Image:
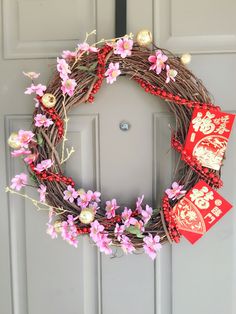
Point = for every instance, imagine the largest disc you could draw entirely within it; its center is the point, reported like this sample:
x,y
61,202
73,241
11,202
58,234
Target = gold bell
x,y
144,38
49,100
57,226
86,215
185,58
13,141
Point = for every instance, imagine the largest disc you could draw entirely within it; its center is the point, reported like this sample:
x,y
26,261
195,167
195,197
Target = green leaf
x,y
33,177
93,66
39,139
83,68
156,211
134,230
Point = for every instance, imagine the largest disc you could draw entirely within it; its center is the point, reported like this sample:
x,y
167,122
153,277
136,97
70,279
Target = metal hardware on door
x,y
124,126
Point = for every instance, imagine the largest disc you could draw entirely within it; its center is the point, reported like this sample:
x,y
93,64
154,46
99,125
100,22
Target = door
x,y
38,275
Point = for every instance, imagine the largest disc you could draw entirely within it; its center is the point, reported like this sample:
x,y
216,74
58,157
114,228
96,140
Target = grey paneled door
x,y
38,275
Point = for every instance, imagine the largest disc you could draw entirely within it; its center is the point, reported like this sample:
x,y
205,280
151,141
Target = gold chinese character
x,y
211,217
216,211
201,197
204,124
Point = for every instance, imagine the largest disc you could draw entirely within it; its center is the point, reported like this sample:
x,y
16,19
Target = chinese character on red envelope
x,y
199,210
208,135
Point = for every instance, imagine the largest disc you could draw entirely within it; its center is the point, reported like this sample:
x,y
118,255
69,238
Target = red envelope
x,y
208,135
199,210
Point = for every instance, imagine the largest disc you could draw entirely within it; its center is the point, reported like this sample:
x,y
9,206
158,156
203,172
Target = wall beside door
x,y
38,274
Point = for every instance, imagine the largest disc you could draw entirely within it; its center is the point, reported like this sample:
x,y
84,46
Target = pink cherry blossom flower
x,y
84,199
170,74
42,120
139,203
119,229
138,224
30,158
96,230
38,89
110,208
19,181
68,86
127,245
51,231
69,231
126,216
70,194
42,192
95,196
124,47
147,214
43,165
25,137
176,191
63,68
31,75
85,47
68,55
112,72
20,152
158,61
104,244
152,245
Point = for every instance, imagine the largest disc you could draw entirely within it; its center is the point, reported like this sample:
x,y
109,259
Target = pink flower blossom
x,y
68,86
42,192
138,224
96,230
68,55
95,196
111,207
104,244
19,181
124,47
42,120
63,68
30,158
112,72
51,231
139,203
38,89
127,245
69,231
147,214
152,245
25,137
158,61
43,165
31,75
84,199
70,194
20,152
126,216
51,214
170,74
176,191
119,229
87,48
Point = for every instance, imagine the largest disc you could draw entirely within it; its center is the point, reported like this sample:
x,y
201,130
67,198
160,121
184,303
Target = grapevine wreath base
x,y
79,76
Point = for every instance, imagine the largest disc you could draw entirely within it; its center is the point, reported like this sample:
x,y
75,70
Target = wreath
x,y
79,76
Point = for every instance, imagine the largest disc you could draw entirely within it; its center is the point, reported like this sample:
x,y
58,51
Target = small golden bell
x,y
144,38
57,226
49,100
86,215
13,141
185,58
